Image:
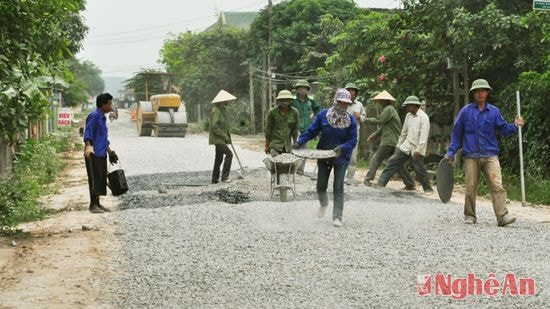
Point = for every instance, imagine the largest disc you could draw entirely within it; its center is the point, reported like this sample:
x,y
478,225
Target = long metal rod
x,y
522,178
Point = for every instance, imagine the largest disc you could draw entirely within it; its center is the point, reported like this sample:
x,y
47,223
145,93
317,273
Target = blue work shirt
x,y
96,132
475,131
331,137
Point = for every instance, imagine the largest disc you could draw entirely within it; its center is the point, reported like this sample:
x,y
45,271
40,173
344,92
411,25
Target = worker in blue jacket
x,y
97,147
338,131
475,131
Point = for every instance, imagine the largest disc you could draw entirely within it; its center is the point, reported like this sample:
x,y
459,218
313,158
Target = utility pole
x,y
146,89
270,85
264,91
251,81
459,91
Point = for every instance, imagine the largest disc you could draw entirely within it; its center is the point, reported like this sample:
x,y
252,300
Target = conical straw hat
x,y
384,95
223,96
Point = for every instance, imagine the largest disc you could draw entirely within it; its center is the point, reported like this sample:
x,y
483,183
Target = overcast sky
x,y
126,35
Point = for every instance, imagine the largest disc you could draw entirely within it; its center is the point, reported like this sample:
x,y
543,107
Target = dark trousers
x,y
380,155
221,151
96,168
396,164
323,173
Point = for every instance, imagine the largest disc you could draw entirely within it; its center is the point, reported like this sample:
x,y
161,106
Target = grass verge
x,y
36,166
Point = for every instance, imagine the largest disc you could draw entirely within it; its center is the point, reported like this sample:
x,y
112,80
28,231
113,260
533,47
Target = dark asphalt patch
x,y
227,196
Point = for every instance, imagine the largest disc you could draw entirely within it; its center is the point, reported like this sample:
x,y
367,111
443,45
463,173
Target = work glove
x,y
295,146
113,158
338,151
417,155
88,152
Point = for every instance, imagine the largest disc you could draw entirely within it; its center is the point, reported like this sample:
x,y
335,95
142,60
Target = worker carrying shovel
x,y
475,131
283,121
219,136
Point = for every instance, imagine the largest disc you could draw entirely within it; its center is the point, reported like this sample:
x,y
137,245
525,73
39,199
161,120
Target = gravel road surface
x,y
188,248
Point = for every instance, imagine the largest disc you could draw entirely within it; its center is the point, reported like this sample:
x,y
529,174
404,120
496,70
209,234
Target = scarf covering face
x,y
337,116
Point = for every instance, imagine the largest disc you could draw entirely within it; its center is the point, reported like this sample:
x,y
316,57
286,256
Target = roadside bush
x,y
238,117
535,90
37,164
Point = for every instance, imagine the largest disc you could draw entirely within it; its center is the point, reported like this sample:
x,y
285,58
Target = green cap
x,y
302,83
351,86
480,84
412,100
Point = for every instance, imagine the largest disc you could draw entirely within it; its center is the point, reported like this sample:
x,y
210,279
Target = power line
x,y
149,28
139,40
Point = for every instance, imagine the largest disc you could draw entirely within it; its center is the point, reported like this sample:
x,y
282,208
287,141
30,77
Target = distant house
x,y
239,20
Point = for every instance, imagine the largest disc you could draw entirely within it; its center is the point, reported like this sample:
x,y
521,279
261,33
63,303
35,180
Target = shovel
x,y
162,187
241,171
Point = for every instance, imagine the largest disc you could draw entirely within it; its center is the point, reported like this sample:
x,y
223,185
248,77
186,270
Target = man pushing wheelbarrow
x,y
281,131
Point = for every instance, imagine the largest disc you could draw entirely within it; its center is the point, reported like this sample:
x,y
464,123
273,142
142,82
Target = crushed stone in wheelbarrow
x,y
284,158
314,153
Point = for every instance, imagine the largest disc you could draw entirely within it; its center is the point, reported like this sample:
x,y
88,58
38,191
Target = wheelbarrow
x,y
283,174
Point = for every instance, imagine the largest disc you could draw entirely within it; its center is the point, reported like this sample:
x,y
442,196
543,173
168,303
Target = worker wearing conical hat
x,y
388,132
219,136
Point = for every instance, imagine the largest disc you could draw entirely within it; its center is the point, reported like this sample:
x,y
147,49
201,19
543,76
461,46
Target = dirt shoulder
x,y
537,213
62,260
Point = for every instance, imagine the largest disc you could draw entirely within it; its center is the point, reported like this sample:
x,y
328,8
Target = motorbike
x,y
113,115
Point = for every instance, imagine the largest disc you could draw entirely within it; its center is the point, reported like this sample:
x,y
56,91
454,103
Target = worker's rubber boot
x,y
95,209
505,220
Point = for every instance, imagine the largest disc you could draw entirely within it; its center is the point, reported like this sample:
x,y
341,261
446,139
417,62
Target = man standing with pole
x,y
475,131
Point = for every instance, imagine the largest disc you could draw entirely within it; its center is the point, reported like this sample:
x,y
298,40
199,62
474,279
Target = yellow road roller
x,y
163,116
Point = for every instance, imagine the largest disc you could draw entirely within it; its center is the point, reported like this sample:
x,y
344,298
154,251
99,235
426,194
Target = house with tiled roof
x,y
239,20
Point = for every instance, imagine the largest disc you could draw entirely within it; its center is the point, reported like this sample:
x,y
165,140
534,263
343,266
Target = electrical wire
x,y
168,24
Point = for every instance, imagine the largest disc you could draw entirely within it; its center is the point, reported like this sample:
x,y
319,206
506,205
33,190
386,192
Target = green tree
x,y
298,43
90,75
205,62
151,79
84,80
37,38
418,43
